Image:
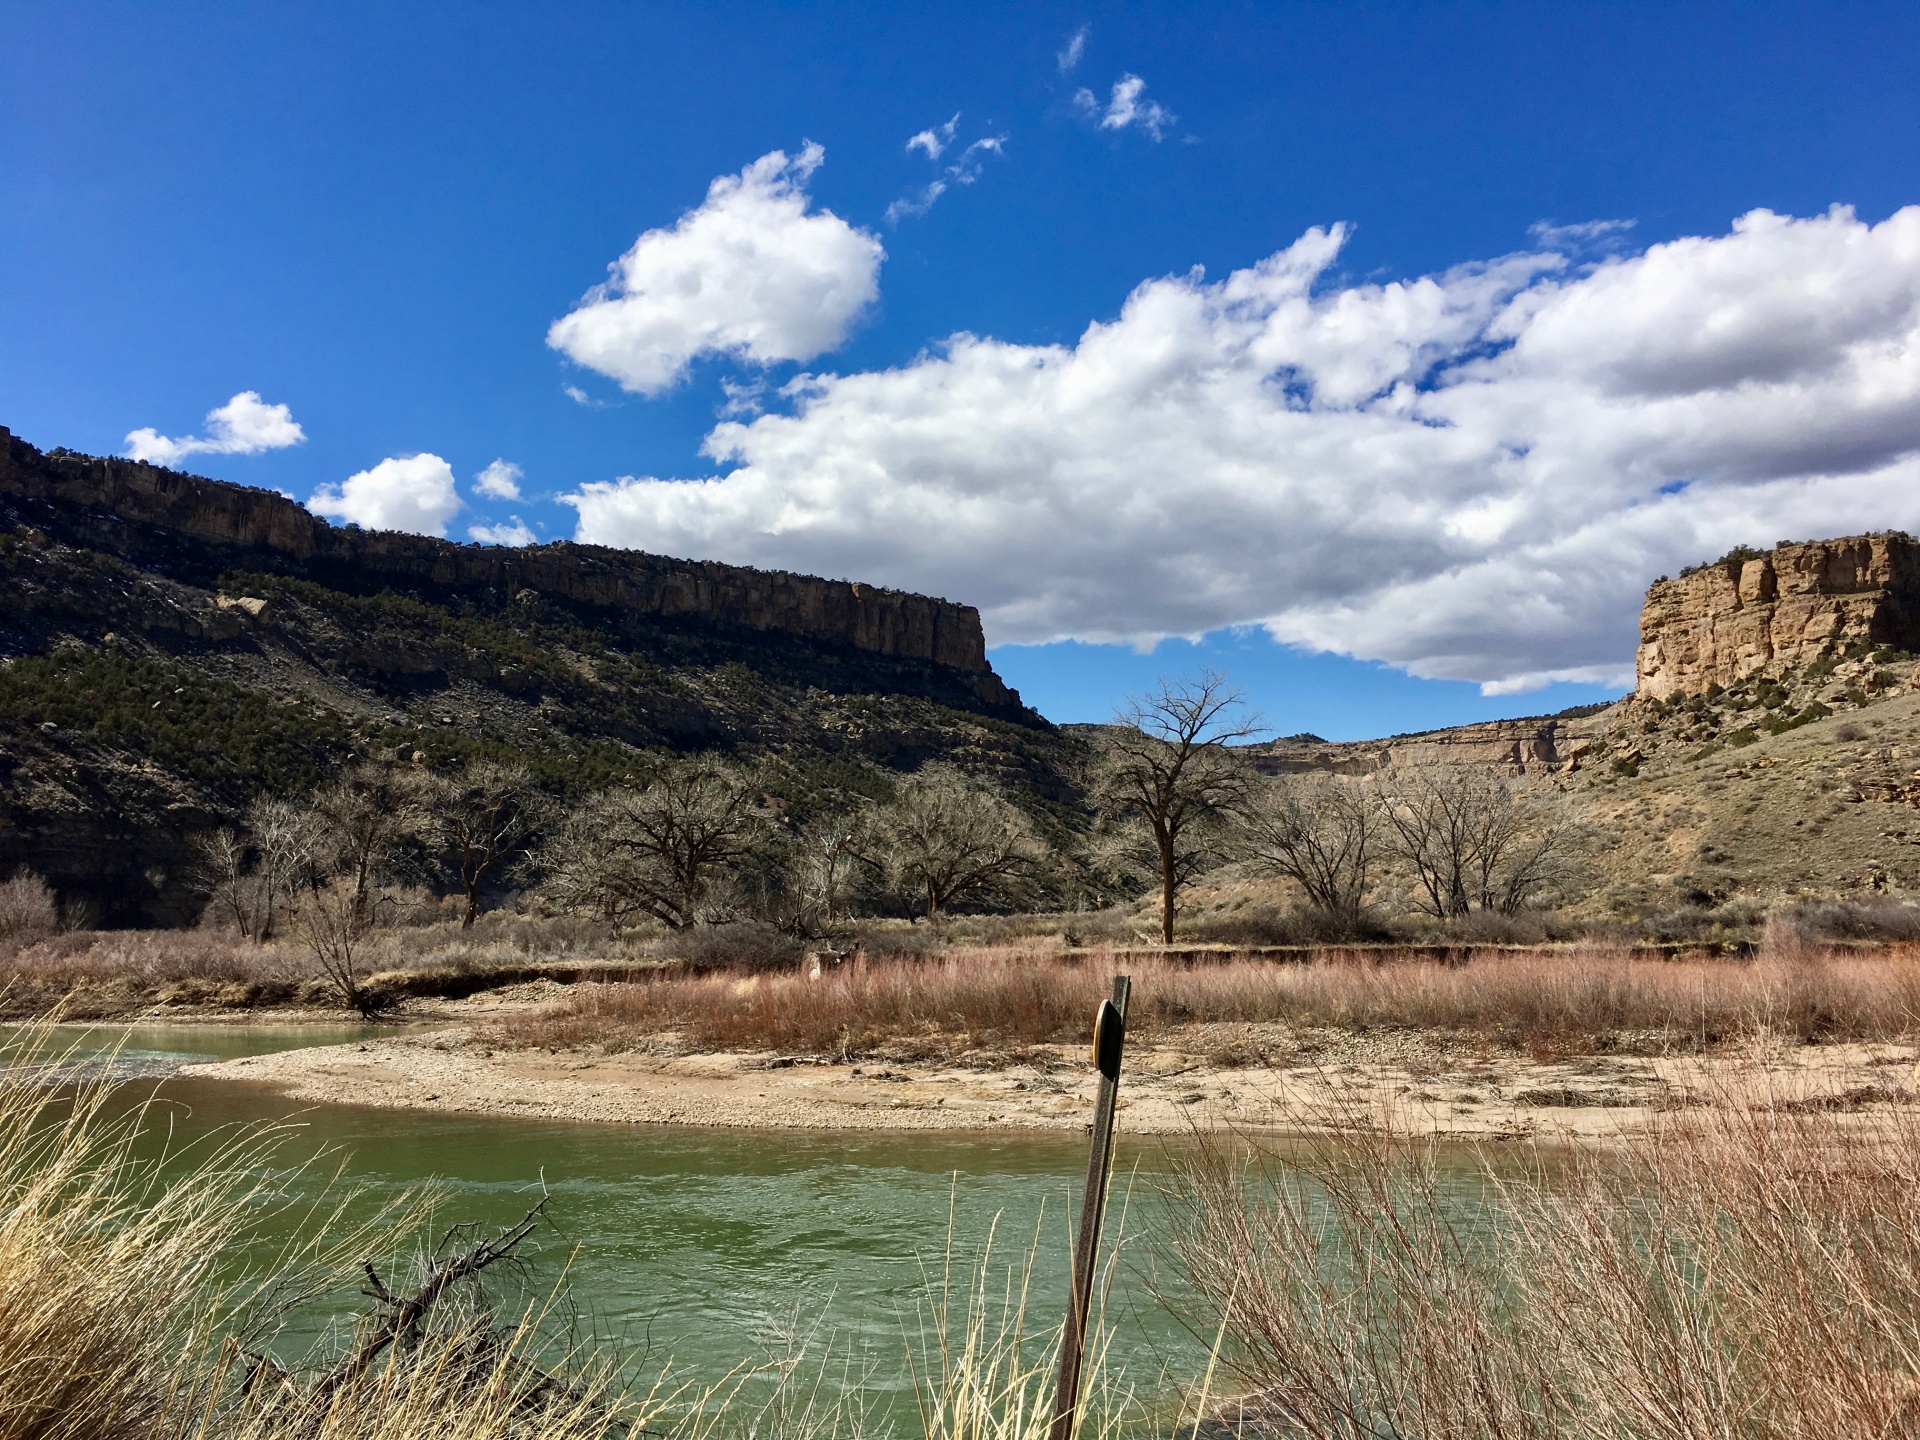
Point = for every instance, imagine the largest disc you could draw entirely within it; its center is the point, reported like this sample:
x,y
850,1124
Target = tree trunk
x,y
473,907
1166,898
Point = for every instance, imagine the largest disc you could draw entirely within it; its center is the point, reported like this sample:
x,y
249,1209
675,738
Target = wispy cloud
x,y
935,140
1584,233
964,169
1126,106
1075,47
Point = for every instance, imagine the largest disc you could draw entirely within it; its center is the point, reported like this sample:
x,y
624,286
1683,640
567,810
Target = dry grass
x,y
1748,1270
94,974
1576,1000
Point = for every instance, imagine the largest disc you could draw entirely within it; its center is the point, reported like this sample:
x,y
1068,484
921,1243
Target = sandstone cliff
x,y
1538,745
117,496
1793,606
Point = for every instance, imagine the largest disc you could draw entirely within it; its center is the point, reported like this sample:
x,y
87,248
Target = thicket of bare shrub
x,y
1749,1269
28,910
1572,1001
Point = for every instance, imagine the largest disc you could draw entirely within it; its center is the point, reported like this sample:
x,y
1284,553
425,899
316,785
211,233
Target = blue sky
x,y
373,218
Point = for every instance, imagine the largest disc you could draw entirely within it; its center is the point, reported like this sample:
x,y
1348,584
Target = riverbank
x,y
1247,1078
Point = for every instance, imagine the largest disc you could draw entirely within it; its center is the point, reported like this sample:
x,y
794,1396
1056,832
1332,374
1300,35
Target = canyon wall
x,y
1774,611
106,495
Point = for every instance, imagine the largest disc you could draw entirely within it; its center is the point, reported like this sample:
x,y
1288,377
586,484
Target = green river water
x,y
702,1246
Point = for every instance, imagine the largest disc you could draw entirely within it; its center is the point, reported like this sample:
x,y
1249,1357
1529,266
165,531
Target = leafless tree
x,y
364,822
335,923
665,851
1323,833
946,838
832,857
480,818
254,876
1472,838
1165,765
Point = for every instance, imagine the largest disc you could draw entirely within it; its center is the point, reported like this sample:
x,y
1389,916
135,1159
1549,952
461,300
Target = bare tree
x,y
1324,834
665,851
364,822
946,839
1166,765
832,857
1473,839
254,876
481,819
335,922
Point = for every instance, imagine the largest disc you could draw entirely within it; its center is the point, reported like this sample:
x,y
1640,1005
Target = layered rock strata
x,y
1790,607
1540,745
113,499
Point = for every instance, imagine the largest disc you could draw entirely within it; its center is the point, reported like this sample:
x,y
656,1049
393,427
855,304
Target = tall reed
x,y
1583,997
1749,1269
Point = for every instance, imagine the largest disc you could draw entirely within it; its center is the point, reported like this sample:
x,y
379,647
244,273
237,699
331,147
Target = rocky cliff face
x,y
116,499
1767,613
173,647
1539,745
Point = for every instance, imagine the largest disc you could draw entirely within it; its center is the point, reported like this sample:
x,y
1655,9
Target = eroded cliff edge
x,y
141,511
1796,605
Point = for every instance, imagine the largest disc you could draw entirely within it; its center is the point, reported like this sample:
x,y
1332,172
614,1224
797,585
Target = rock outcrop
x,y
1751,613
117,500
1539,745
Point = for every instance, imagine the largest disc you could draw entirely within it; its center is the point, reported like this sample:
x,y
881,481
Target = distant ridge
x,y
235,517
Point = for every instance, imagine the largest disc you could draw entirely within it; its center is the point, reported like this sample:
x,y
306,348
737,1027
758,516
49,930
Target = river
x,y
705,1247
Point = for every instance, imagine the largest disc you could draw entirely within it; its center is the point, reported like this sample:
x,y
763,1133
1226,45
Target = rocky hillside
x,y
172,645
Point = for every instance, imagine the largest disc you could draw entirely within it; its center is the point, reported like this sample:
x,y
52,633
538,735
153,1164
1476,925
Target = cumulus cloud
x,y
1127,105
1070,53
753,273
414,493
245,425
515,534
1469,475
499,481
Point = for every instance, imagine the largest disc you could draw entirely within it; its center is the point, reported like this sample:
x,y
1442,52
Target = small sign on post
x,y
1109,1039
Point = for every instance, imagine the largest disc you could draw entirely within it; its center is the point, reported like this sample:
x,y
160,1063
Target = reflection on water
x,y
138,1052
703,1244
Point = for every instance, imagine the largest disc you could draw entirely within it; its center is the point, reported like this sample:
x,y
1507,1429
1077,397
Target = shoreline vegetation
x,y
1589,1041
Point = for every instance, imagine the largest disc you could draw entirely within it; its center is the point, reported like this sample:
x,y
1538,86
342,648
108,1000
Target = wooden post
x,y
1109,1038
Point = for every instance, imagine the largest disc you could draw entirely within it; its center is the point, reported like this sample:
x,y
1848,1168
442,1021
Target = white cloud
x,y
1582,233
245,425
1071,52
1127,105
1469,475
515,534
963,171
499,481
413,493
935,141
751,273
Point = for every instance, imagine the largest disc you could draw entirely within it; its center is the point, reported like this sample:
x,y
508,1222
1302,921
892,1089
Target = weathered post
x,y
1109,1038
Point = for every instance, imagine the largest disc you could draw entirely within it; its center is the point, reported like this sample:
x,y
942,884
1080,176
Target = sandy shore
x,y
1167,1088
